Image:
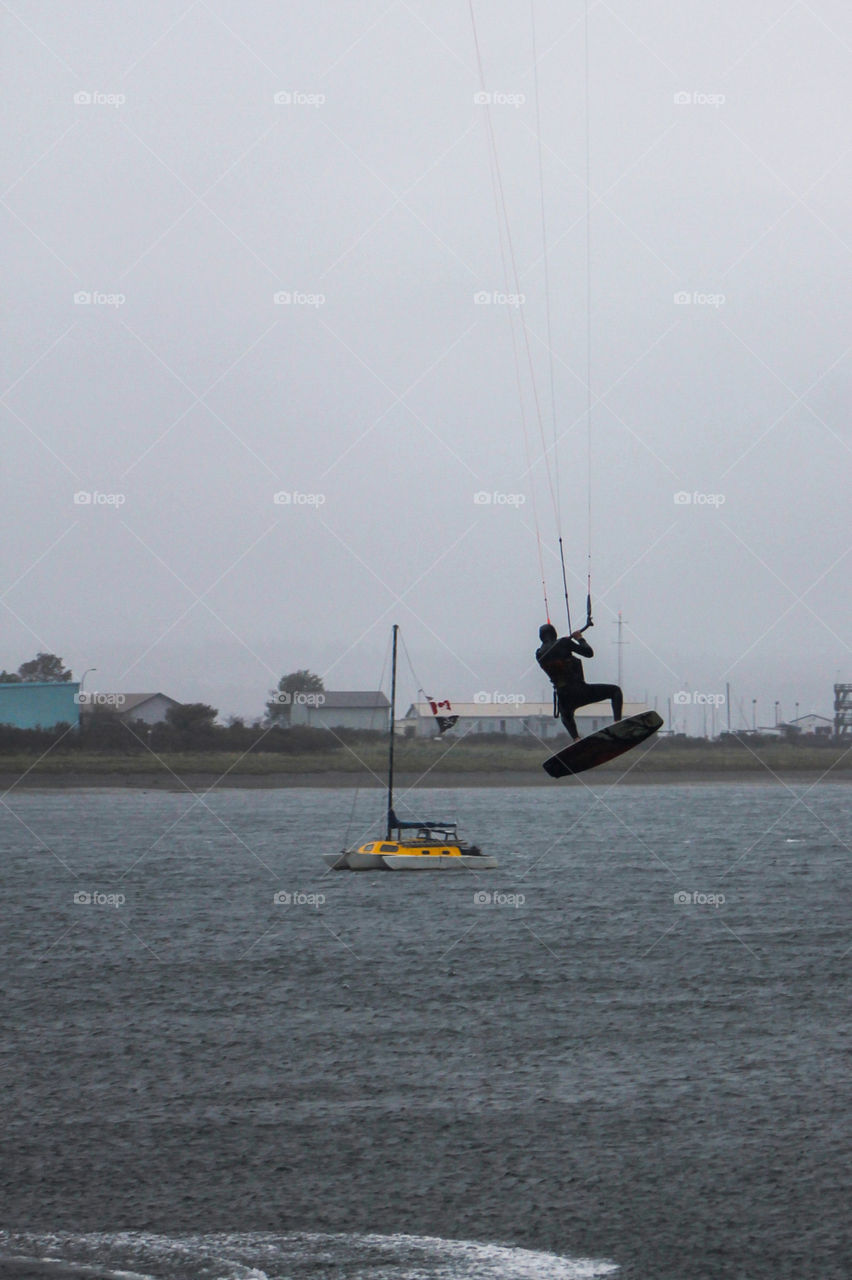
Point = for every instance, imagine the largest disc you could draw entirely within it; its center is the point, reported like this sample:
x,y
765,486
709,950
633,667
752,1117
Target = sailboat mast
x,y
391,735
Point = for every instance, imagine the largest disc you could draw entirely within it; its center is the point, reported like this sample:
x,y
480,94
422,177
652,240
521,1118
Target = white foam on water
x,y
472,1260
82,1268
296,1256
50,1262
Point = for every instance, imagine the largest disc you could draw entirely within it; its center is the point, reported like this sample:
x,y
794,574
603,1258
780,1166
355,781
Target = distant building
x,y
340,709
812,725
516,718
150,708
34,704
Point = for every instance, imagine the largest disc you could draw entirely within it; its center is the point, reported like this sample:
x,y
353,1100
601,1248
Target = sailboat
x,y
426,845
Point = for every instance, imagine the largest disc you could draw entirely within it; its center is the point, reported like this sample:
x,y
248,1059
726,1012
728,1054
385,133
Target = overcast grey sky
x,y
183,197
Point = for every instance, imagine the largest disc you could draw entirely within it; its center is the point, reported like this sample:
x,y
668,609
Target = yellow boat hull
x,y
390,855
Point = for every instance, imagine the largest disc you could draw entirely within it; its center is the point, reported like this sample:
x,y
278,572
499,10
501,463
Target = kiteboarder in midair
x,y
559,660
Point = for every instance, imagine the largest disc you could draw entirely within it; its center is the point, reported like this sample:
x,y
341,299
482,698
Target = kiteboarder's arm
x,y
580,646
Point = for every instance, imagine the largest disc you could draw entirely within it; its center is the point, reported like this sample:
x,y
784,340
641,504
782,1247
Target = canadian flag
x,y
443,713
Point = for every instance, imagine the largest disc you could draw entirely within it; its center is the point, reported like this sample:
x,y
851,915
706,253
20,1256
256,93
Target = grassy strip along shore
x,y
442,763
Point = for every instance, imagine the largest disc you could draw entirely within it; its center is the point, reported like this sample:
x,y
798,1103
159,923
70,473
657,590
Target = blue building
x,y
40,705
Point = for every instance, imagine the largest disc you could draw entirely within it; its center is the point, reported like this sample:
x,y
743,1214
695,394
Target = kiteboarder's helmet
x,y
547,632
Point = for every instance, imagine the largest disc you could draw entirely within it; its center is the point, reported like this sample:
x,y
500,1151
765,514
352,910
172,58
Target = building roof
x,y
133,700
517,710
372,699
39,684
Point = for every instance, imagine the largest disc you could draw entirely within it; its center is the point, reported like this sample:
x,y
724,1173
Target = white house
x,y
150,708
515,718
812,725
341,709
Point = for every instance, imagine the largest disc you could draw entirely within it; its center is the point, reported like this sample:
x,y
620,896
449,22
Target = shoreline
x,y
341,780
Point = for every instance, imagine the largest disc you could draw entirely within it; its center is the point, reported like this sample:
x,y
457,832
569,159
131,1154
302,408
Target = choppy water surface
x,y
626,1044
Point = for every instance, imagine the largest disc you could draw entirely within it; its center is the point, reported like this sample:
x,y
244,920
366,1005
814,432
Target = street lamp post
x,y
80,698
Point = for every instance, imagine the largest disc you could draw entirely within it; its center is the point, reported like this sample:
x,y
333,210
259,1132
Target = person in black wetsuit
x,y
559,661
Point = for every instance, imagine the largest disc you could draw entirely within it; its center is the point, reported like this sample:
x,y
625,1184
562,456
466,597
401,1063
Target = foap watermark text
x,y
285,699
293,498
94,98
487,898
699,99
684,698
95,699
93,498
499,99
298,98
685,298
695,499
483,698
298,298
496,499
697,899
93,298
494,298
84,898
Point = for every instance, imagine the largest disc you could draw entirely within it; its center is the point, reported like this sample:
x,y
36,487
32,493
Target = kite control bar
x,y
589,619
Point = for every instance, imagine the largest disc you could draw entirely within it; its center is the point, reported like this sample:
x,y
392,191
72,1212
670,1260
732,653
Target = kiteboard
x,y
604,745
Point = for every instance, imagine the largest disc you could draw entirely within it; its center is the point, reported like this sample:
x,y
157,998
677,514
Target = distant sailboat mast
x,y
391,816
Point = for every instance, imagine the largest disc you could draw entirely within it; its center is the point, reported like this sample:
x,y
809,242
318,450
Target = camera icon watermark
x,y
684,499
696,899
284,898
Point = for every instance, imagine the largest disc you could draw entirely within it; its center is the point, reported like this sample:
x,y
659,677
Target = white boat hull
x,y
436,862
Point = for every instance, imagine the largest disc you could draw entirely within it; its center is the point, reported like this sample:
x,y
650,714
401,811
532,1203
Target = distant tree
x,y
9,677
46,667
191,716
281,699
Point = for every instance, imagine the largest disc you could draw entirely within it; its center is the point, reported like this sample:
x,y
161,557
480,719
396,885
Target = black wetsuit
x,y
560,663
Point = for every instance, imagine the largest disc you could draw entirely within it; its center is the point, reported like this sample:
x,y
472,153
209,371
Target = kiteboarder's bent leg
x,y
604,693
566,714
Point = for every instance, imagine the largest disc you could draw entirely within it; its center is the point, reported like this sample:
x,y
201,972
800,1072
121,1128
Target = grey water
x,y
624,1052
